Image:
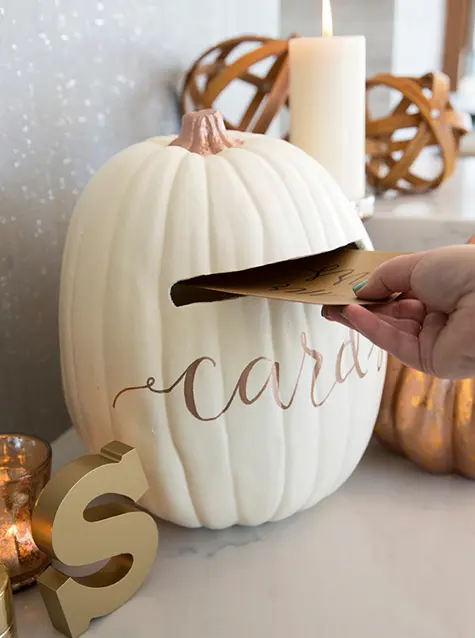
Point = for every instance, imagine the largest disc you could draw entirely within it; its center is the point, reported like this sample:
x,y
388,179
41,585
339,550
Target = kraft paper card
x,y
327,279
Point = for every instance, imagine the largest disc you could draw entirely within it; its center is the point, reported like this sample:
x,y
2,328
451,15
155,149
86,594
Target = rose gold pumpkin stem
x,y
204,133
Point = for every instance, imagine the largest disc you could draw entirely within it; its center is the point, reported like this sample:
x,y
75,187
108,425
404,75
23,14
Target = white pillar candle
x,y
327,103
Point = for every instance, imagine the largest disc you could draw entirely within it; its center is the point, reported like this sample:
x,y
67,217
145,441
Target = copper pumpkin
x,y
430,421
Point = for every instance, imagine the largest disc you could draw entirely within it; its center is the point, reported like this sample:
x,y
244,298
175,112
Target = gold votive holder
x,y
7,615
25,468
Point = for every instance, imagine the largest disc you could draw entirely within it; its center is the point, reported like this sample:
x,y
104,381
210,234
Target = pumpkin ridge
x,y
329,204
337,482
70,282
441,387
460,441
455,460
108,277
401,379
418,433
291,195
273,169
256,206
281,417
110,426
317,218
71,392
465,439
225,428
313,490
163,358
237,509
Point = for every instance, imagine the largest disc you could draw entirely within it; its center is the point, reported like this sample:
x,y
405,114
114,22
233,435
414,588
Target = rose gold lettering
x,y
149,385
189,387
318,358
241,388
339,378
273,378
243,379
380,360
276,379
355,348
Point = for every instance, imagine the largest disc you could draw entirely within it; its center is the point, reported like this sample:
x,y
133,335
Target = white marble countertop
x,y
416,222
392,555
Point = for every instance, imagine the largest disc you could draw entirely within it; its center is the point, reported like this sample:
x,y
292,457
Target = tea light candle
x,y
328,101
25,468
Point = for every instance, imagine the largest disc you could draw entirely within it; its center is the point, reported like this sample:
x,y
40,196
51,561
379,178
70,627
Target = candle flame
x,y
327,19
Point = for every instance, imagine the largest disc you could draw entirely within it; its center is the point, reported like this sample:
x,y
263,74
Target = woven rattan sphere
x,y
224,64
425,116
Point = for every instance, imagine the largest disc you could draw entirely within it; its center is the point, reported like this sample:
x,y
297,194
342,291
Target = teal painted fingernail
x,y
358,287
341,311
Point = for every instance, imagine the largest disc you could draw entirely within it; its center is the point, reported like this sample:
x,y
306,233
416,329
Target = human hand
x,y
431,327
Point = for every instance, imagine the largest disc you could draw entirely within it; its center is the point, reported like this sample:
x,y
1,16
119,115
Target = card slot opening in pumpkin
x,y
326,278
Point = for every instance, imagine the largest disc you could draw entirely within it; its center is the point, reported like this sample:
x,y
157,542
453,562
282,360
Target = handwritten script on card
x,y
327,278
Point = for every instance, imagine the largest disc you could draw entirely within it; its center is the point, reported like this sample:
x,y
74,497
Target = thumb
x,y
392,276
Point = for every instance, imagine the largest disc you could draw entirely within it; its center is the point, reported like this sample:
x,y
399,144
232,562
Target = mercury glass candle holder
x,y
25,468
7,614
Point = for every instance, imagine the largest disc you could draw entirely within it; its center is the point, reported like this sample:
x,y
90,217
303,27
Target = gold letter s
x,y
65,530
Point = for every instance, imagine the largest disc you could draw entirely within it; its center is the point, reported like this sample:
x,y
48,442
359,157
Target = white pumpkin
x,y
243,411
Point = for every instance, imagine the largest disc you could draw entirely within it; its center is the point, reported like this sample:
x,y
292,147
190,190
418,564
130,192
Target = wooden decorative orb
x,y
222,65
425,108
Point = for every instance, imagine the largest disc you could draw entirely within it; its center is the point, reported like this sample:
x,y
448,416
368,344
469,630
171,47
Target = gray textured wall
x,y
80,79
